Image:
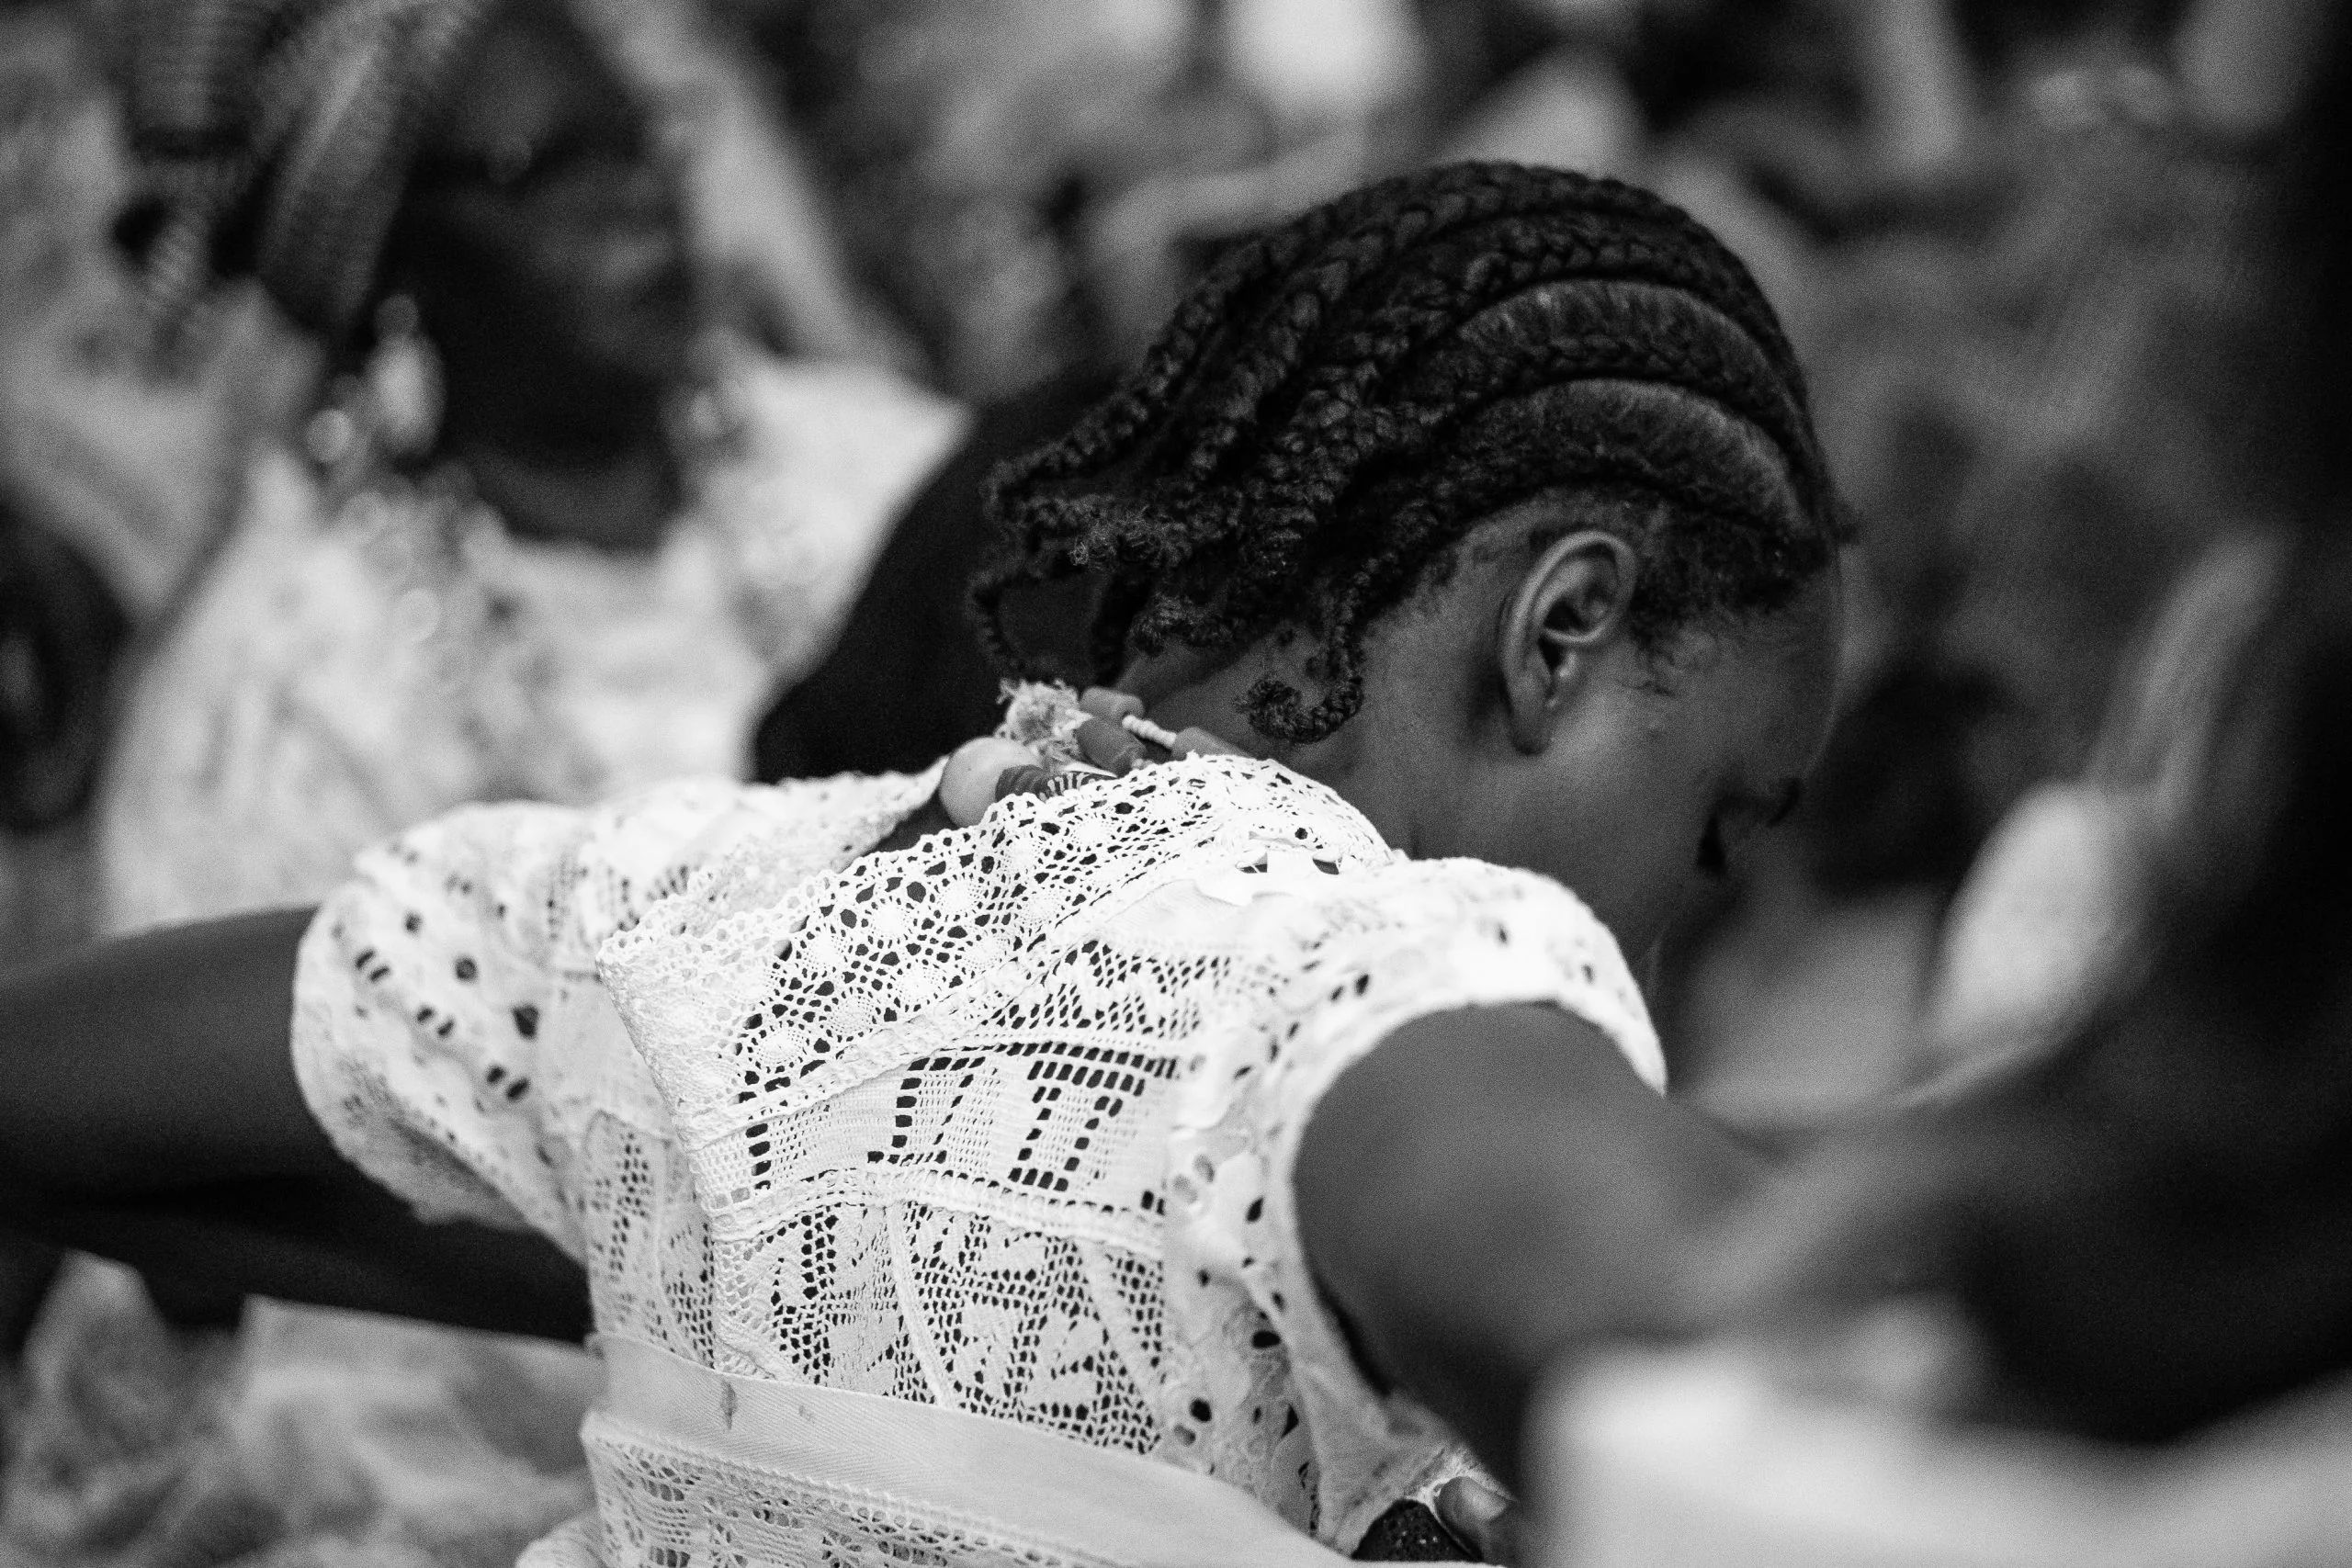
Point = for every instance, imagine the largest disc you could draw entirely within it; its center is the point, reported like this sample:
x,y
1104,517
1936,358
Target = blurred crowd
x,y
626,389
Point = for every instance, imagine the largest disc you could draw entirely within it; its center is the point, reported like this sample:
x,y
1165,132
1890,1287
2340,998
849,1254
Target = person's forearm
x,y
149,1113
337,1240
1490,1190
155,1063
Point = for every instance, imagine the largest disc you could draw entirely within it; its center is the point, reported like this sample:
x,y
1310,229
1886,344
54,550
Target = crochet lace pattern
x,y
1001,1122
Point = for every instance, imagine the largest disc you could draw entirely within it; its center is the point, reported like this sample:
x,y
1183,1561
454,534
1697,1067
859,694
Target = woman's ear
x,y
1569,608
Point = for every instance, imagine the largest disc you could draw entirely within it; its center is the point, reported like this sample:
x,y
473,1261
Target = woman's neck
x,y
620,501
589,464
1182,688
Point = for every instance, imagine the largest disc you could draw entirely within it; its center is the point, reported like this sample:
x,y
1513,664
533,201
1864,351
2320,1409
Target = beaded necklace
x,y
1115,738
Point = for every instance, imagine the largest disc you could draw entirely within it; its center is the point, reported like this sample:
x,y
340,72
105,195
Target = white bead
x,y
968,784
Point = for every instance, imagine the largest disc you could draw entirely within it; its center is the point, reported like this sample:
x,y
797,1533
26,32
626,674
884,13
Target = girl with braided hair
x,y
1168,1129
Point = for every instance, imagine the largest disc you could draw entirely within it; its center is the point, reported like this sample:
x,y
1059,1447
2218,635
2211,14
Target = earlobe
x,y
1569,605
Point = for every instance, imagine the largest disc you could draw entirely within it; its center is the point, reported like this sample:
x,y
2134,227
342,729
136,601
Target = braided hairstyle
x,y
1343,397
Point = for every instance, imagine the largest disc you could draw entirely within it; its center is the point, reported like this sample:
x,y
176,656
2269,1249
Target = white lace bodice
x,y
344,672
1001,1122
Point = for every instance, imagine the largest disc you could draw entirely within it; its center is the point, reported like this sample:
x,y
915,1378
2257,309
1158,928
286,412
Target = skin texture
x,y
543,241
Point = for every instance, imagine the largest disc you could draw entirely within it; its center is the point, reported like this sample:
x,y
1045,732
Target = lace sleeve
x,y
450,1033
1414,940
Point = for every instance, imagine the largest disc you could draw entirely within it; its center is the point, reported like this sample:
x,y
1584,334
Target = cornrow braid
x,y
1343,397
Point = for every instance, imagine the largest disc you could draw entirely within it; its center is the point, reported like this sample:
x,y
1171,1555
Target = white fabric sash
x,y
1005,1480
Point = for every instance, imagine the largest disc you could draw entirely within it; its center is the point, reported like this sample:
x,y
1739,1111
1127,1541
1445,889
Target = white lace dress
x,y
1000,1124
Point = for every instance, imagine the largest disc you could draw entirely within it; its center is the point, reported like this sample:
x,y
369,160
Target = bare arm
x,y
1491,1189
149,1113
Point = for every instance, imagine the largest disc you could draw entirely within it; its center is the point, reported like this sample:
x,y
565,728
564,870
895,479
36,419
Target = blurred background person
x,y
2087,1302
538,536
108,484
125,474
541,540
2038,351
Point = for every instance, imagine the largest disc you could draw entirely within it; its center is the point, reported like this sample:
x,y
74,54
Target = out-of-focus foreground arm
x,y
149,1112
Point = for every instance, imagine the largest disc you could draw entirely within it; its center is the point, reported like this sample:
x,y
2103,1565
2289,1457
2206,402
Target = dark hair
x,y
1343,397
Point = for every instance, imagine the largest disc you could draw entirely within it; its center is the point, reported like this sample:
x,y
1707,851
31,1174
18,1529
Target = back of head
x,y
1344,397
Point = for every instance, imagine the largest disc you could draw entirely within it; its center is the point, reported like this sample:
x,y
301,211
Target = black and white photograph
x,y
1175,784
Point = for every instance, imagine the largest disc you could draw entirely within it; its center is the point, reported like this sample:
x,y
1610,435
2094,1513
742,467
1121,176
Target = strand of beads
x,y
1115,738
